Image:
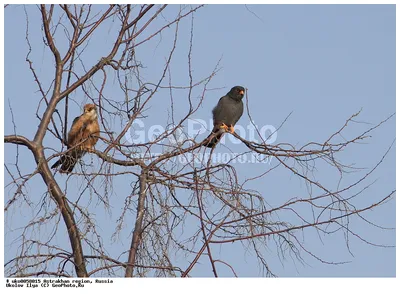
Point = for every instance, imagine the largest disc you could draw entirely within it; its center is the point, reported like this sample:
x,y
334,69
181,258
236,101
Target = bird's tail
x,y
57,163
212,140
68,161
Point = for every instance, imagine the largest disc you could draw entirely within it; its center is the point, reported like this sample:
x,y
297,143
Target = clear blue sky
x,y
321,62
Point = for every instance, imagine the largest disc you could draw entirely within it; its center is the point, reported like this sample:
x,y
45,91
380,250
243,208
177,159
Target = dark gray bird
x,y
226,114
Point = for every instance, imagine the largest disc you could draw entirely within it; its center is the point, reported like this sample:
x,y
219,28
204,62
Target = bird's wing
x,y
74,135
218,110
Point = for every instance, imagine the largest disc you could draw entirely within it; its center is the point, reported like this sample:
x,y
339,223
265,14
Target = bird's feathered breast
x,y
228,111
84,129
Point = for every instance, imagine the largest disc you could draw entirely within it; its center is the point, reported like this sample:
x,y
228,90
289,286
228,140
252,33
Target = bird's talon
x,y
225,127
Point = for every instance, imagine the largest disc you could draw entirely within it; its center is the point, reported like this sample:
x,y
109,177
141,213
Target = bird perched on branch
x,y
226,114
83,136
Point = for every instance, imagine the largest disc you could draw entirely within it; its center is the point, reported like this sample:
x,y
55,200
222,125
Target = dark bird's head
x,y
236,93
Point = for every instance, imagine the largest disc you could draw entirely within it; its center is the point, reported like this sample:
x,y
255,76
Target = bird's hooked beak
x,y
241,92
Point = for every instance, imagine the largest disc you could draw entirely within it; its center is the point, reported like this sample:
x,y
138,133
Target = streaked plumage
x,y
83,135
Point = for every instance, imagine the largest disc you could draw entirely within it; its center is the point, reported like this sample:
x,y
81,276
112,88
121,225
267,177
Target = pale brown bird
x,y
83,135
